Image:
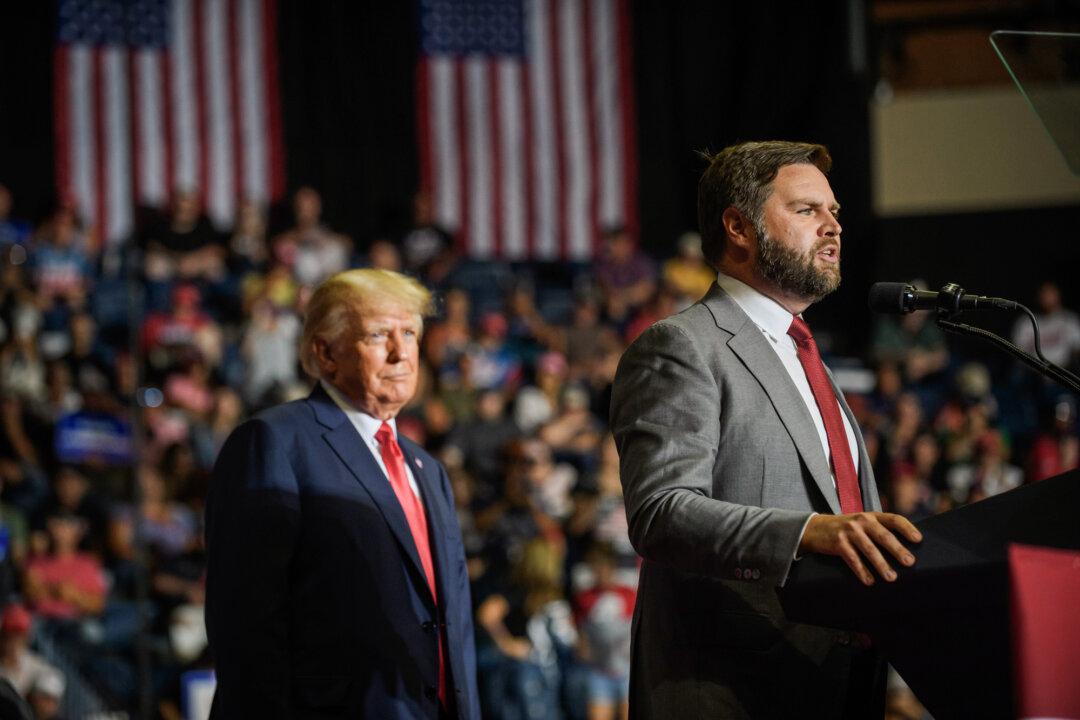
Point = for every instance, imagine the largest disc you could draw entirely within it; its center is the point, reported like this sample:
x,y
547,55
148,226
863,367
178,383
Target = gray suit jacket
x,y
721,467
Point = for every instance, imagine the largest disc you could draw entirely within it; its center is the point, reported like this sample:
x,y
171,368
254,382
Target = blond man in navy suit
x,y
320,600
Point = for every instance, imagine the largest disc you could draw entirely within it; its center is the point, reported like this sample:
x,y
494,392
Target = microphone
x,y
901,298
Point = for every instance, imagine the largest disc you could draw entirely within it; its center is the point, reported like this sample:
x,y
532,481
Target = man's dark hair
x,y
741,176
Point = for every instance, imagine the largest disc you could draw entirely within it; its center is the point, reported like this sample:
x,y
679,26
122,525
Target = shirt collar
x,y
766,313
365,424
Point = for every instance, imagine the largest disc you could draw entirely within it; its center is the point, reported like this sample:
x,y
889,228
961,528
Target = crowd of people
x,y
124,367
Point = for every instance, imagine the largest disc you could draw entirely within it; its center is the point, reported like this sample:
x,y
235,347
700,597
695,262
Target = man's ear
x,y
324,355
739,230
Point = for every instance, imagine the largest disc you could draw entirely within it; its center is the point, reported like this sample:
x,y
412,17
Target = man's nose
x,y
831,226
397,350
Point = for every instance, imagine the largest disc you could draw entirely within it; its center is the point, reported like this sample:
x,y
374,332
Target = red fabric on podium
x,y
1046,630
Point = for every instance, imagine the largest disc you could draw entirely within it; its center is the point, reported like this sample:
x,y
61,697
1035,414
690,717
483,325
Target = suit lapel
x,y
748,343
347,444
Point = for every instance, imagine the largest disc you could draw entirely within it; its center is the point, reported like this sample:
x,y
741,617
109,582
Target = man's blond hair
x,y
348,295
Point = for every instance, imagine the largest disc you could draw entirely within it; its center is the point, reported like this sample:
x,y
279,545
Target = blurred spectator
x,y
912,342
627,277
907,421
61,266
1057,448
65,583
309,249
926,463
46,696
20,665
384,255
574,431
599,514
989,473
86,359
882,401
207,439
535,405
687,274
1059,328
477,444
170,336
603,614
276,285
445,339
168,528
909,495
14,532
529,333
248,249
513,519
72,495
184,246
428,248
492,364
18,306
11,231
583,336
22,369
528,636
269,350
25,485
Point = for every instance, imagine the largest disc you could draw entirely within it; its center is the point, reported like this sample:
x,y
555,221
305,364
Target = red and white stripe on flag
x,y
526,124
157,96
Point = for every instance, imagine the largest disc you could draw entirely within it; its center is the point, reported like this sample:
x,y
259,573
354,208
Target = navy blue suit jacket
x,y
317,605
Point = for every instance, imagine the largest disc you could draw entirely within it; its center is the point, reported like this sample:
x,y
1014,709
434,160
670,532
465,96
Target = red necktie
x,y
847,480
414,515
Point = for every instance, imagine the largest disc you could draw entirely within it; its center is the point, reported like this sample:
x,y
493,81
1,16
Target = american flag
x,y
526,124
158,96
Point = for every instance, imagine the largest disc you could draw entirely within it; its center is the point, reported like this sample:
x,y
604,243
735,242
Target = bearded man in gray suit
x,y
739,455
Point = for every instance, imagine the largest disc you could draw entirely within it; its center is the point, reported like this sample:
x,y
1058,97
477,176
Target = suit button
x,y
428,626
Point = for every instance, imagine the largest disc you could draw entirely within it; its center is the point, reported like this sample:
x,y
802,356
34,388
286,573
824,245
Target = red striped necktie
x,y
414,515
847,480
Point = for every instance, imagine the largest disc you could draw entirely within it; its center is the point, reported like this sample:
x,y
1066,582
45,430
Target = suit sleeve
x,y
666,415
252,519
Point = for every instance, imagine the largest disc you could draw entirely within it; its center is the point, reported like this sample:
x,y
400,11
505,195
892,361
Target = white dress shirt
x,y
774,320
367,426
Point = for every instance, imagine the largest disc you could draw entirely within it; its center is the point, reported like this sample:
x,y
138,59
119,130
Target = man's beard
x,y
793,273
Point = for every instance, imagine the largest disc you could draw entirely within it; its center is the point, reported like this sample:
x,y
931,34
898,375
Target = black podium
x,y
944,624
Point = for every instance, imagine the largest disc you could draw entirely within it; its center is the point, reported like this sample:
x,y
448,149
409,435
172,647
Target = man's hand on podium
x,y
859,537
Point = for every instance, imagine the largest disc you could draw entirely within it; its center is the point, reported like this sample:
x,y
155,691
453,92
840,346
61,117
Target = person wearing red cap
x,y
19,665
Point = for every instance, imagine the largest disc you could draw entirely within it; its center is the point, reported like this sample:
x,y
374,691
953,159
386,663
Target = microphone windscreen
x,y
888,297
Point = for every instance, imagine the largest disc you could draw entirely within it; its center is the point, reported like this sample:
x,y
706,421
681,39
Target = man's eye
x,y
806,211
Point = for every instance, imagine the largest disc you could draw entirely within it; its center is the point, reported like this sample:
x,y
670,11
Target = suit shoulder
x,y
686,329
284,414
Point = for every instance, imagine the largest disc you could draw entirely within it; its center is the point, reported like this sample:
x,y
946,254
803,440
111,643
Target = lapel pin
x,y
419,463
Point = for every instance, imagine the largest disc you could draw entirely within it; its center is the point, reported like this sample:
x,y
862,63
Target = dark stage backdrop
x,y
708,74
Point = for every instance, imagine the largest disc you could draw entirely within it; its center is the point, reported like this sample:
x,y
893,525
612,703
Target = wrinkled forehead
x,y
377,312
801,181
